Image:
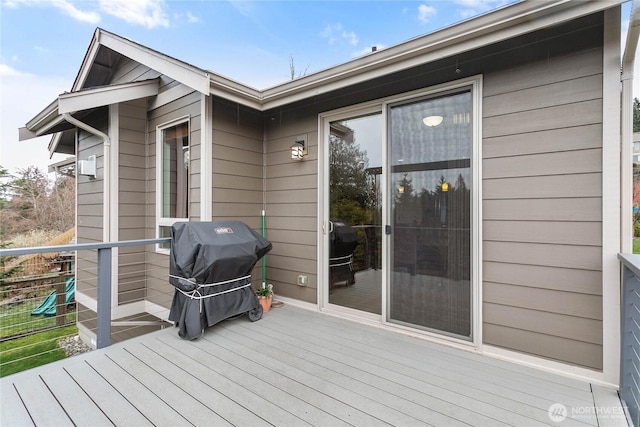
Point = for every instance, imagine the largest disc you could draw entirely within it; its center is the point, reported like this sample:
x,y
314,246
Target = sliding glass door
x,y
398,212
354,269
430,151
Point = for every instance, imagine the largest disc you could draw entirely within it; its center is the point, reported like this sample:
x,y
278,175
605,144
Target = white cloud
x,y
8,71
330,32
426,12
64,6
22,96
335,32
351,37
147,13
191,18
77,14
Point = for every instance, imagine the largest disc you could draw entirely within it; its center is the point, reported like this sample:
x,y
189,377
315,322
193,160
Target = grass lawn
x,y
636,246
25,353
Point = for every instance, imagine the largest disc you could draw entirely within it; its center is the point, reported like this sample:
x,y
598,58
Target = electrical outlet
x,y
302,280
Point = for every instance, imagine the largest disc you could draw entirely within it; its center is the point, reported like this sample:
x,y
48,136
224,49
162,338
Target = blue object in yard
x,y
48,306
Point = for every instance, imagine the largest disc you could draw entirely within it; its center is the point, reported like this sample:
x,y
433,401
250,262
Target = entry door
x,y
429,195
354,239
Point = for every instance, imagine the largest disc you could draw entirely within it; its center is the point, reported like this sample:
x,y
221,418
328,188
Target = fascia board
x,y
87,62
93,98
44,116
53,144
506,23
631,44
189,75
25,133
234,91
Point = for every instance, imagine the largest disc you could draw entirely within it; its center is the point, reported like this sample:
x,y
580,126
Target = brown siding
x,y
542,209
292,208
90,205
237,172
159,291
132,169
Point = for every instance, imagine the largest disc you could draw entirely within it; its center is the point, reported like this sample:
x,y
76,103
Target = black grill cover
x,y
212,252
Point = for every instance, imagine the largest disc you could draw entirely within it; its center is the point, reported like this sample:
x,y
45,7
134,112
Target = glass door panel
x,y
430,151
355,213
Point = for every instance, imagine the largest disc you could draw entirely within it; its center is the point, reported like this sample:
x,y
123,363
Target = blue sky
x,y
43,42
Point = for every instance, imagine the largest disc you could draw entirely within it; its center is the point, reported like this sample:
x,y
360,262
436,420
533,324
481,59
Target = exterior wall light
x,y
432,120
298,150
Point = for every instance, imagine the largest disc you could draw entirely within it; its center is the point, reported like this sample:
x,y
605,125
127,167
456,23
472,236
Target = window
x,y
172,176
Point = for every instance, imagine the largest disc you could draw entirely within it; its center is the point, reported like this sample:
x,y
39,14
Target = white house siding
x,y
542,209
291,196
159,291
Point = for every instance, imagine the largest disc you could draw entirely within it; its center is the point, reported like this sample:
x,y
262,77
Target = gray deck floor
x,y
294,368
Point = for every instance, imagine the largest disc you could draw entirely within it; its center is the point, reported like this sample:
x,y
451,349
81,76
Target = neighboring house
x,y
479,164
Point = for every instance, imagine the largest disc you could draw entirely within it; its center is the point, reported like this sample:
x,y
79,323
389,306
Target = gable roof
x,y
502,24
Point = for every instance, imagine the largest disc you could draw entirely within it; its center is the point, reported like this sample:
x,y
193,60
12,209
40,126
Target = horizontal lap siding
x,y
237,164
132,167
292,207
89,228
542,208
158,290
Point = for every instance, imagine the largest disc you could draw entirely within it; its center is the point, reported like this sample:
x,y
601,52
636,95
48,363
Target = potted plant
x,y
265,296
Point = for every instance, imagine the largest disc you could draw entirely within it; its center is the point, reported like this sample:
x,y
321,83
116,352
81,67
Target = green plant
x,y
265,291
636,229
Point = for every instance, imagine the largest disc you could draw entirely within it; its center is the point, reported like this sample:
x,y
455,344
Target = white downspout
x,y
106,212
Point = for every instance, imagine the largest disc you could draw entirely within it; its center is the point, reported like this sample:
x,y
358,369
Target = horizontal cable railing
x,y
44,303
630,342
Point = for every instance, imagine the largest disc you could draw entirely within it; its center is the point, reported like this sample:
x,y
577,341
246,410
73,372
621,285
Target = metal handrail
x,y
103,330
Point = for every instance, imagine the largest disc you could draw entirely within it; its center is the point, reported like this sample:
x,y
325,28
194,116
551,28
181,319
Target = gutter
x,y
626,126
106,202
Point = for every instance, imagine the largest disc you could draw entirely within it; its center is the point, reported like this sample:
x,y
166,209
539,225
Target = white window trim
x,y
160,220
381,106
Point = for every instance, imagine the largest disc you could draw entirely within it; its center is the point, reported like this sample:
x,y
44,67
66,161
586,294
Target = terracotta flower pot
x,y
265,302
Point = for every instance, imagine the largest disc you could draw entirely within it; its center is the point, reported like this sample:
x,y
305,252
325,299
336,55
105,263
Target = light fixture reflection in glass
x,y
432,120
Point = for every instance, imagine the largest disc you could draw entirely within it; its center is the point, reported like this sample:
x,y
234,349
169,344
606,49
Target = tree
x,y
292,69
636,115
30,201
349,181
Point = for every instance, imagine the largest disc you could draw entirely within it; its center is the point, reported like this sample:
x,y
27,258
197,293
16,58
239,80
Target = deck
x,y
294,368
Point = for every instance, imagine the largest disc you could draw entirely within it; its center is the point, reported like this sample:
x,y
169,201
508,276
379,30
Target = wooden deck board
x,y
76,403
13,411
399,373
293,368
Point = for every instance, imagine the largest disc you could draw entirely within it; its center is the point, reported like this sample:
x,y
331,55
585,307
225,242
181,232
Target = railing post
x,y
103,331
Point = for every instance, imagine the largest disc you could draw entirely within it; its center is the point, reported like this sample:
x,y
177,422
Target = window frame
x,y
163,221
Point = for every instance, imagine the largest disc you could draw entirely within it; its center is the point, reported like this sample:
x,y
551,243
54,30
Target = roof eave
x,y
492,27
